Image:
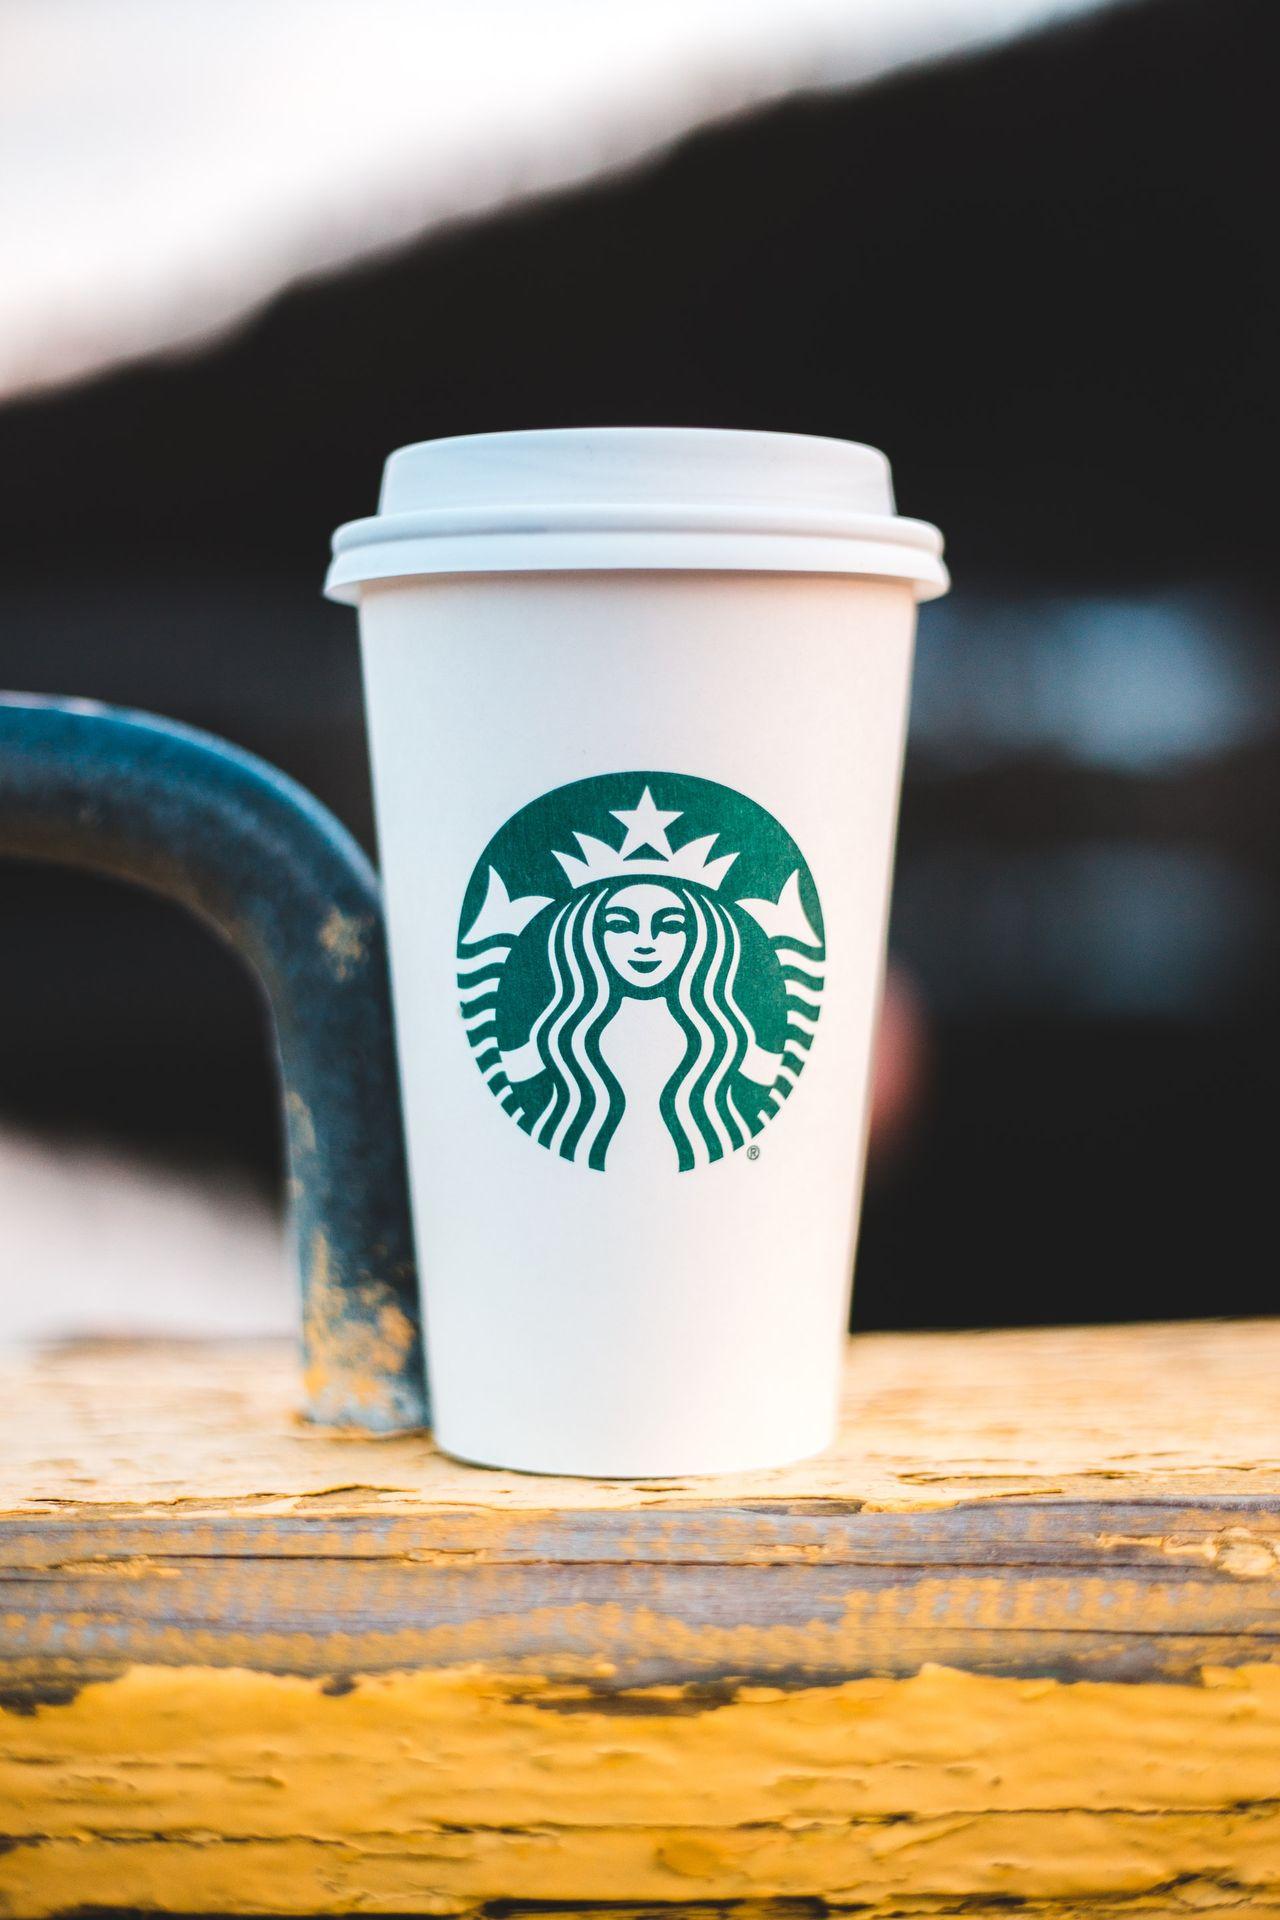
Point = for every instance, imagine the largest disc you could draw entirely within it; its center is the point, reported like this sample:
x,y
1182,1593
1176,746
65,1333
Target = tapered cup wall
x,y
637,833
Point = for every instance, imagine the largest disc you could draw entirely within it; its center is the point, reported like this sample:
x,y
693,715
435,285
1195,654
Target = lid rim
x,y
590,517
488,554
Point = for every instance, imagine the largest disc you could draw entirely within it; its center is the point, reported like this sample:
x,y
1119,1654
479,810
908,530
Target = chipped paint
x,y
1093,1417
357,1339
257,1793
344,938
302,1128
1242,1552
251,1669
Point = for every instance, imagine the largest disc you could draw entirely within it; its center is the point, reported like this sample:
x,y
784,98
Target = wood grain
x,y
1013,1639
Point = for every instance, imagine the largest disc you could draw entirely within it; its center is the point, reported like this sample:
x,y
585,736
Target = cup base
x,y
673,1467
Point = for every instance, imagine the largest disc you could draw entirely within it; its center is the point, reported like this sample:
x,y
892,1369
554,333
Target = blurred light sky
x,y
165,168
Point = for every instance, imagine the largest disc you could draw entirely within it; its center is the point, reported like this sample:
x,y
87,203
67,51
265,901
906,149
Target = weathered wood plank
x,y
1013,1640
1234,1534
784,1626
929,1420
260,1793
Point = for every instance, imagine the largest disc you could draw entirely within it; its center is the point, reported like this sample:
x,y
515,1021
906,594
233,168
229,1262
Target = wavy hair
x,y
579,1113
586,1102
698,1102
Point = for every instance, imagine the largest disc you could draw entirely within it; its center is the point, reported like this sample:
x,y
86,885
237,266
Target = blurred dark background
x,y
1042,279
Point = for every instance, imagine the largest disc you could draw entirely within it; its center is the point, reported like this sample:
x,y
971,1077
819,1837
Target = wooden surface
x,y
1013,1640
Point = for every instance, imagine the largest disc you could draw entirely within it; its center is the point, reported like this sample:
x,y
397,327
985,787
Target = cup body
x,y
635,1077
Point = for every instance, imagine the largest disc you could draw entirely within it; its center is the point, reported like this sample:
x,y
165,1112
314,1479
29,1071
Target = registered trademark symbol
x,y
753,1153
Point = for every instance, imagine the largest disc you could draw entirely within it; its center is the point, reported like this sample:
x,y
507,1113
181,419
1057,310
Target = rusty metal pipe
x,y
260,860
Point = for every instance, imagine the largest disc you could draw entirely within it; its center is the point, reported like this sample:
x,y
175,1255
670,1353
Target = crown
x,y
645,826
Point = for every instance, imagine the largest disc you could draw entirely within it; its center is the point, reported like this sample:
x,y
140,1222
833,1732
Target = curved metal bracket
x,y
260,859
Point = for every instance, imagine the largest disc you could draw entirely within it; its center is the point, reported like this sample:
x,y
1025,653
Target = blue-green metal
x,y
260,859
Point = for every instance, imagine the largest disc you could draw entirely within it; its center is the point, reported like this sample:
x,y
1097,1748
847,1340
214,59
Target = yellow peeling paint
x,y
928,1421
1058,1500
204,1789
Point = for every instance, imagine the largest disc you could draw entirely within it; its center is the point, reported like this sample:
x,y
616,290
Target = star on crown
x,y
645,826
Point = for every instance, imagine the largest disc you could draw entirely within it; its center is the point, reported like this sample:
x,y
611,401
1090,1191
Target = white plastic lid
x,y
636,497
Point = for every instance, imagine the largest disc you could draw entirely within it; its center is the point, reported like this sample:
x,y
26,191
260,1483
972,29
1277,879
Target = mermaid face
x,y
646,931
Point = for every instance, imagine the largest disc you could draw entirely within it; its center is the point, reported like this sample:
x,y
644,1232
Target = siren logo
x,y
640,968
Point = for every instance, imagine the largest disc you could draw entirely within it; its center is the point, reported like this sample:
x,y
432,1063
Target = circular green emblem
x,y
640,969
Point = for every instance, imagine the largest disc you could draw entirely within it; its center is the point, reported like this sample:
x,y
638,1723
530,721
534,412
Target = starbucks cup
x,y
637,700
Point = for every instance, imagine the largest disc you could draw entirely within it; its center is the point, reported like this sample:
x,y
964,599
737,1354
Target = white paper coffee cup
x,y
637,700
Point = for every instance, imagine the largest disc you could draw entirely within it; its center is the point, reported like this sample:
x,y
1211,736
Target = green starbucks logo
x,y
640,969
